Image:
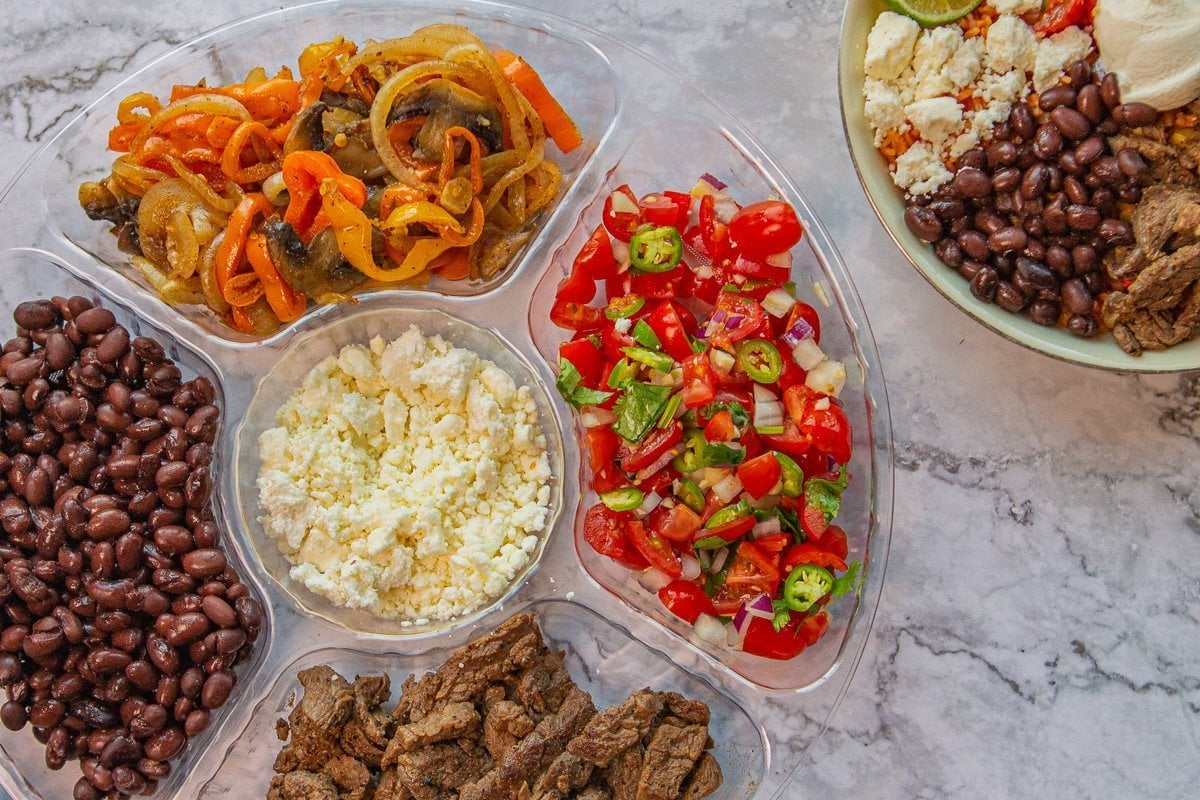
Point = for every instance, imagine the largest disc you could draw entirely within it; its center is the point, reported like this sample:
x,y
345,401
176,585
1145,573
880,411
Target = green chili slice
x,y
644,335
805,585
656,249
692,456
626,498
793,476
624,307
728,514
622,373
651,358
690,495
761,360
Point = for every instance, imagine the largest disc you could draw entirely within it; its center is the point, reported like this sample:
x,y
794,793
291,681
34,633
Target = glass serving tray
x,y
643,125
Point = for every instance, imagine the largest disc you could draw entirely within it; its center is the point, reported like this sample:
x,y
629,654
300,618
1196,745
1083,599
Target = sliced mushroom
x,y
307,133
354,152
318,269
447,104
338,100
99,202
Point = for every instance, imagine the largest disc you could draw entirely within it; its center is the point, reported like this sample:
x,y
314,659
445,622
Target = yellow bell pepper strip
x,y
473,232
233,245
476,160
303,172
400,193
413,265
526,81
286,302
243,289
231,157
421,212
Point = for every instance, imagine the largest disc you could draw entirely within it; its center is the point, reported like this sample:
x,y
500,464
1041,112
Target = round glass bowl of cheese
x,y
398,469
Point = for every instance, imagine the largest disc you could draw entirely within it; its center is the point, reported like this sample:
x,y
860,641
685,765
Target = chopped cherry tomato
x,y
791,442
797,399
753,569
654,548
740,318
813,627
667,325
575,316
608,478
585,357
659,483
762,639
699,381
621,214
828,428
712,505
756,268
752,443
578,287
800,311
813,522
678,524
792,374
654,446
810,553
764,228
612,341
596,258
602,446
604,530
712,231
774,545
668,208
686,600
759,475
835,541
720,428
1062,14
730,531
674,282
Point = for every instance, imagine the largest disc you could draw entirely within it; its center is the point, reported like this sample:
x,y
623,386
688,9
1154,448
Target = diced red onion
x,y
713,181
733,321
767,527
758,607
797,333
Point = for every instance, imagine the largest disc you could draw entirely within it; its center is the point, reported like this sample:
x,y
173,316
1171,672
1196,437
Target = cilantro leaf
x,y
568,386
827,495
789,520
638,408
741,416
851,581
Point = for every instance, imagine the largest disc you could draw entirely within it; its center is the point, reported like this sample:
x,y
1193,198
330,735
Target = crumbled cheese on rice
x,y
914,80
408,479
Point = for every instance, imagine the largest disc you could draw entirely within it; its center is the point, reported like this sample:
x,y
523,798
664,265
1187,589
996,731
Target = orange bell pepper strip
x,y
243,289
303,172
524,78
233,246
453,265
472,233
286,302
476,159
231,156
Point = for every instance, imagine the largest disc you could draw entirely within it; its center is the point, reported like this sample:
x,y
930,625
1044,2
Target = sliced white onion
x,y
649,503
829,377
764,395
734,638
704,271
783,260
728,488
768,415
719,559
724,206
621,204
595,416
658,464
778,303
652,580
709,629
722,361
712,475
691,566
623,324
705,557
621,250
767,527
807,354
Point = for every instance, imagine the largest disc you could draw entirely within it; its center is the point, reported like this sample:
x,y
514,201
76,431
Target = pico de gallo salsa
x,y
713,433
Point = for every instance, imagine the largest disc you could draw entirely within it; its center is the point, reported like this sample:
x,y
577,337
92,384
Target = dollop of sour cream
x,y
1152,46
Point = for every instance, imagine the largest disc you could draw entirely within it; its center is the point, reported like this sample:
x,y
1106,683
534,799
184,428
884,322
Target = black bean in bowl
x,y
121,621
1028,218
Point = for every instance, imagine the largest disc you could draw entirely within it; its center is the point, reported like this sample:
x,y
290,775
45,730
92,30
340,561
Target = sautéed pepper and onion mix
x,y
381,165
712,430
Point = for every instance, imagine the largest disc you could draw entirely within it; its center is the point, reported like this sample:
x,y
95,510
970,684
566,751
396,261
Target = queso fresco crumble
x,y
407,479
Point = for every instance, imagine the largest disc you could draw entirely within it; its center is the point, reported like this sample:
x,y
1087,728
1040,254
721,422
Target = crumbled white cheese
x,y
936,119
934,48
1057,52
1011,44
883,108
890,45
963,67
408,479
1015,6
919,170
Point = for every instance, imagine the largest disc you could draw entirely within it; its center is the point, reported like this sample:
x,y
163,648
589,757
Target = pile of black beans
x,y
1029,217
120,618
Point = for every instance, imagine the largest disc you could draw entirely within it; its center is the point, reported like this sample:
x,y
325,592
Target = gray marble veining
x,y
1038,634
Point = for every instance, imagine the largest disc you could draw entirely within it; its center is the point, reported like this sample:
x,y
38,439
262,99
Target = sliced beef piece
x,y
351,776
1165,220
1168,164
1159,286
316,721
302,785
623,774
705,778
366,733
671,755
468,673
618,728
544,684
594,793
562,778
450,721
428,772
390,787
692,711
505,724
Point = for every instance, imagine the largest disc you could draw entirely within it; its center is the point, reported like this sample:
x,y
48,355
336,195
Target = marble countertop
x,y
1038,633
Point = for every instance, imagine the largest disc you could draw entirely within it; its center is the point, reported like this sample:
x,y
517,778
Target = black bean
x,y
1005,180
1113,232
1009,298
1036,273
923,223
972,182
1090,103
1089,150
1057,96
1044,311
1007,240
1083,218
1110,90
1070,122
1083,325
983,285
1035,181
1021,119
1048,142
1135,115
974,244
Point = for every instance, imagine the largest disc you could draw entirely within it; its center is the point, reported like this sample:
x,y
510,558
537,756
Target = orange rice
x,y
978,21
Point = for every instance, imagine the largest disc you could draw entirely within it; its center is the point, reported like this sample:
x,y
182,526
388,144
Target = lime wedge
x,y
934,12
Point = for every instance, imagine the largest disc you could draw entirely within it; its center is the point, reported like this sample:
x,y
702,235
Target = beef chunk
x,y
623,774
704,780
448,722
674,748
1168,164
505,723
302,785
692,711
351,776
425,772
593,793
316,721
562,778
544,684
616,729
366,733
